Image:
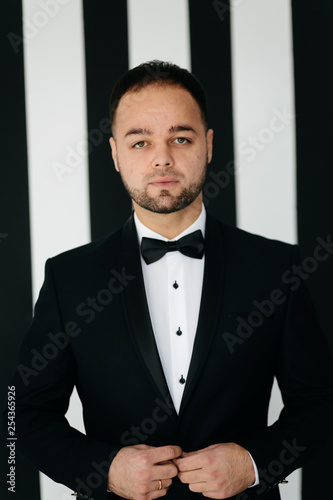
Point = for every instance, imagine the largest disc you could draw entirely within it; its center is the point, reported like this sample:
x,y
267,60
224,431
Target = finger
x,y
166,471
192,477
190,453
199,488
189,462
161,484
163,453
156,492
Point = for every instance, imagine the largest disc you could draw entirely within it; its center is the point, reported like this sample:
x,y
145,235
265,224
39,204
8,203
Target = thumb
x,y
190,453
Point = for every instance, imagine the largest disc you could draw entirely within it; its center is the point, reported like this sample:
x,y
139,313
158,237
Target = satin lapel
x,y
210,299
136,308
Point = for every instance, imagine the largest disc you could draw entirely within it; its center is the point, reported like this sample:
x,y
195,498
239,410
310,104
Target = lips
x,y
164,181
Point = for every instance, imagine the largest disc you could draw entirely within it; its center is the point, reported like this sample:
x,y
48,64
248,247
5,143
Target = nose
x,y
162,157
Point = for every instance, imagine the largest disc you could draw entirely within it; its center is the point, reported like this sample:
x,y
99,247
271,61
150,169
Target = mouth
x,y
164,182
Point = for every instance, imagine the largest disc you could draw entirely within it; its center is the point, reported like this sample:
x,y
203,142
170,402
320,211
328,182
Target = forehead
x,y
157,105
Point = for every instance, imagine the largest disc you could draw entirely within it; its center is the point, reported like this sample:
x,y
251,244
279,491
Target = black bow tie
x,y
191,245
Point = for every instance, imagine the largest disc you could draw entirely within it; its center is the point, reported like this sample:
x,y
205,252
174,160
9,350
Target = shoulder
x,y
106,244
253,248
236,234
87,261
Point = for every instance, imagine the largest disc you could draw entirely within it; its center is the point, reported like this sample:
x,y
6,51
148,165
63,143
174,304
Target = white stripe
x,y
264,131
56,121
159,30
262,67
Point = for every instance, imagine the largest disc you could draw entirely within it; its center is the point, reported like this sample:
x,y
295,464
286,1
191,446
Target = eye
x,y
140,144
182,140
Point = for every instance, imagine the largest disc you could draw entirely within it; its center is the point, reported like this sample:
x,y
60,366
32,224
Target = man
x,y
172,344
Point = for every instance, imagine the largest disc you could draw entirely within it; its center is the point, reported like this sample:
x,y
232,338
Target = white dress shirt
x,y
173,287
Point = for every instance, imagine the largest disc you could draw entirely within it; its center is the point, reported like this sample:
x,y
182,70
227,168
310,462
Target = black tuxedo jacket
x,y
92,329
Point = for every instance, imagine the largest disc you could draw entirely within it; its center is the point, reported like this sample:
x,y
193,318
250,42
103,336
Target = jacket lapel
x,y
210,299
136,309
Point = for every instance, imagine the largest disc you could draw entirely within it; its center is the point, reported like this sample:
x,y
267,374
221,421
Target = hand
x,y
219,471
136,471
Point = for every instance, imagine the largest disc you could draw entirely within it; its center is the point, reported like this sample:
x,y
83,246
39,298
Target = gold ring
x,y
159,485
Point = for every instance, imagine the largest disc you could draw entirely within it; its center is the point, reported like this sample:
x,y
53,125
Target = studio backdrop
x,y
267,68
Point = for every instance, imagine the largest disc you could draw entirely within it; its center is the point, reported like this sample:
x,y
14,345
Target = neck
x,y
170,225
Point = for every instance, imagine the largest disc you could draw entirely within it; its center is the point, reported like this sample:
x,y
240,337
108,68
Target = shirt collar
x,y
144,231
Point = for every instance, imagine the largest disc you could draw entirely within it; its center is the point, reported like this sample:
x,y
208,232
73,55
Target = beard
x,y
164,202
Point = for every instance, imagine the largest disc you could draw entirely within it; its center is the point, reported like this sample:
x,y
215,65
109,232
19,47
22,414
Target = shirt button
x,y
182,380
179,332
175,285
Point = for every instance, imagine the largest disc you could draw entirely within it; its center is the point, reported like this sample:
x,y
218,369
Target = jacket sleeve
x,y
304,371
44,379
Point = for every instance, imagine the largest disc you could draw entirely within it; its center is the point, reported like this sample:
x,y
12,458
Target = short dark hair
x,y
159,73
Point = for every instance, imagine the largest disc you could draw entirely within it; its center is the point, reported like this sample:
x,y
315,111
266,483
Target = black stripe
x,y
211,63
15,272
313,47
106,51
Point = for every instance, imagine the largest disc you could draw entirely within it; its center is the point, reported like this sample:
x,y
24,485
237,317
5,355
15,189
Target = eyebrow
x,y
181,128
139,131
172,130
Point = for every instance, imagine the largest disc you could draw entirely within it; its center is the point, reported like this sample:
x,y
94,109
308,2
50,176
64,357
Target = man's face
x,y
161,148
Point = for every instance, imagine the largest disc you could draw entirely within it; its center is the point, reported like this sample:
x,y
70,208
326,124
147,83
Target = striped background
x,y
267,68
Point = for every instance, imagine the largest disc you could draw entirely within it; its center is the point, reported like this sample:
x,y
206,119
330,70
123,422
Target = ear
x,y
209,139
114,153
